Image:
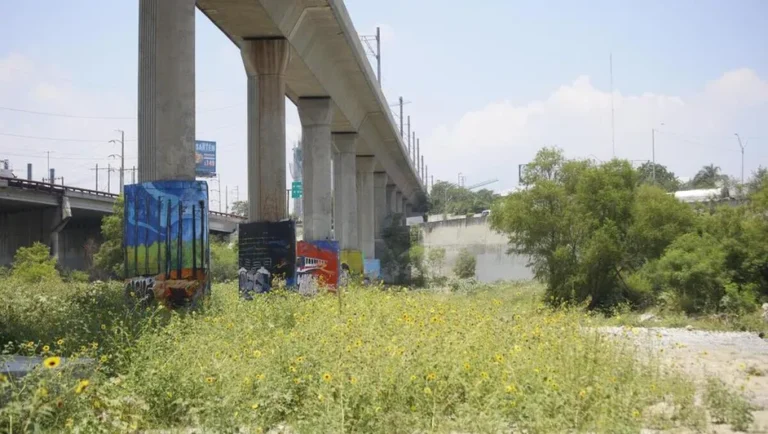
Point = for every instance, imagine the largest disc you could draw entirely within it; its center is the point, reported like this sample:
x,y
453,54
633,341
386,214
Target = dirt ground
x,y
739,359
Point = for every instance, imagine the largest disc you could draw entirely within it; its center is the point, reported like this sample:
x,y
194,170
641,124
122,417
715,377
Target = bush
x,y
34,265
109,258
464,268
223,262
692,272
75,276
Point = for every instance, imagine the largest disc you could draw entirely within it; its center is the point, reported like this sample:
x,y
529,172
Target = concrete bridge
x,y
309,51
63,217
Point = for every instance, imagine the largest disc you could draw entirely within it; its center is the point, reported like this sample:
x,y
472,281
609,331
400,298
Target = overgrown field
x,y
375,360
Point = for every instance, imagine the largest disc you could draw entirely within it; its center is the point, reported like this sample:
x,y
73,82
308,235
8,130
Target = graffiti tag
x,y
141,288
253,282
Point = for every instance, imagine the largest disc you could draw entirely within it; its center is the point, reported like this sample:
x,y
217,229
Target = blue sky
x,y
489,82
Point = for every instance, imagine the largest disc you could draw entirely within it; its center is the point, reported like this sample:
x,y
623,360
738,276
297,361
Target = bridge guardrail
x,y
60,189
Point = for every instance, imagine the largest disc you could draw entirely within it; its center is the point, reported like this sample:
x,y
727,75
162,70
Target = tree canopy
x,y
449,198
663,177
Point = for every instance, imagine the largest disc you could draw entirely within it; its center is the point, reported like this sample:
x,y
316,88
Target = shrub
x,y
418,268
76,276
693,272
464,268
34,264
223,262
109,258
435,262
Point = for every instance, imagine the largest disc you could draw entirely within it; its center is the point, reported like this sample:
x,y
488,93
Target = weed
x,y
727,406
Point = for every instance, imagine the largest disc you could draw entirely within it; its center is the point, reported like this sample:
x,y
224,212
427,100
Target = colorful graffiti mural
x,y
317,264
267,250
165,242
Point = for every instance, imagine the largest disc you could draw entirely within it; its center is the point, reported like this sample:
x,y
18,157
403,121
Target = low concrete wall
x,y
488,246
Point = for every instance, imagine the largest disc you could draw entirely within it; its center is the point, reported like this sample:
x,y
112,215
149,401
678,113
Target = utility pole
x,y
401,118
423,179
653,154
49,161
413,148
218,178
613,128
426,176
97,176
122,158
742,146
133,175
226,199
418,154
367,39
409,135
109,178
378,53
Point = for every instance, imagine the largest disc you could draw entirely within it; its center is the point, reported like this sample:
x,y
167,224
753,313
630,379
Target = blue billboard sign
x,y
205,159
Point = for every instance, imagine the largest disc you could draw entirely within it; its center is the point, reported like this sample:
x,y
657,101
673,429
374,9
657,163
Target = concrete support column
x,y
265,63
166,112
315,115
391,199
60,218
404,210
345,191
398,202
365,206
380,202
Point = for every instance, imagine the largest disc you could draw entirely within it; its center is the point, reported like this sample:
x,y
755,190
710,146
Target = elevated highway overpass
x,y
65,218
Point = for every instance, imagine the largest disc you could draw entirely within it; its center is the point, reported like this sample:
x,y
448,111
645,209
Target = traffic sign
x,y
296,190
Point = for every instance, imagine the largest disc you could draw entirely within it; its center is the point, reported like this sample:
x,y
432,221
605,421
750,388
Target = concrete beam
x,y
380,202
345,191
166,90
365,206
315,115
265,63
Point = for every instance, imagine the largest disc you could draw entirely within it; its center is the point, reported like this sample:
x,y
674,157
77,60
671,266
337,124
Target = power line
x,y
62,115
65,115
56,139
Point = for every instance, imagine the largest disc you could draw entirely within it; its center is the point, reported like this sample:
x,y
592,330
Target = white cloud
x,y
697,129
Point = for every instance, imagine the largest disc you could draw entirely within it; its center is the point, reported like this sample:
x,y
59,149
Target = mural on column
x,y
165,242
352,261
267,250
317,264
372,269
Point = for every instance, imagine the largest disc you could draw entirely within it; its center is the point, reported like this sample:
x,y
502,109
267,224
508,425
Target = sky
x,y
487,85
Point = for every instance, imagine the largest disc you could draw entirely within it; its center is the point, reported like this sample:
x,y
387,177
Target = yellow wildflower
x,y
260,377
467,366
70,422
635,413
210,380
499,358
484,375
52,362
300,359
511,388
60,342
46,348
327,377
104,359
103,327
81,386
3,378
257,354
255,405
582,393
431,376
427,391
353,380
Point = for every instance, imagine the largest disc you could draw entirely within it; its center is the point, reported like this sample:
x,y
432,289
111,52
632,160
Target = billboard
x,y
205,159
165,243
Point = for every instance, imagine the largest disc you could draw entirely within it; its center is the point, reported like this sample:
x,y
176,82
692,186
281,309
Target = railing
x,y
53,188
61,189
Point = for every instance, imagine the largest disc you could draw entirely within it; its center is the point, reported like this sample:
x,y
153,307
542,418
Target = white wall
x,y
476,235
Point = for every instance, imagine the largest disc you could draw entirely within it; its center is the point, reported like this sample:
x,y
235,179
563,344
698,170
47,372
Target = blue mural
x,y
165,241
267,250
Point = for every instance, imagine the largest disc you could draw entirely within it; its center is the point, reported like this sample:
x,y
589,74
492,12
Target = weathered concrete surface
x,y
488,246
366,225
265,62
315,114
166,90
345,191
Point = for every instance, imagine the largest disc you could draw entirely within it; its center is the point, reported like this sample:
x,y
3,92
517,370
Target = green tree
x,y
34,264
223,262
448,198
758,180
707,177
657,220
109,259
664,178
240,207
464,268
